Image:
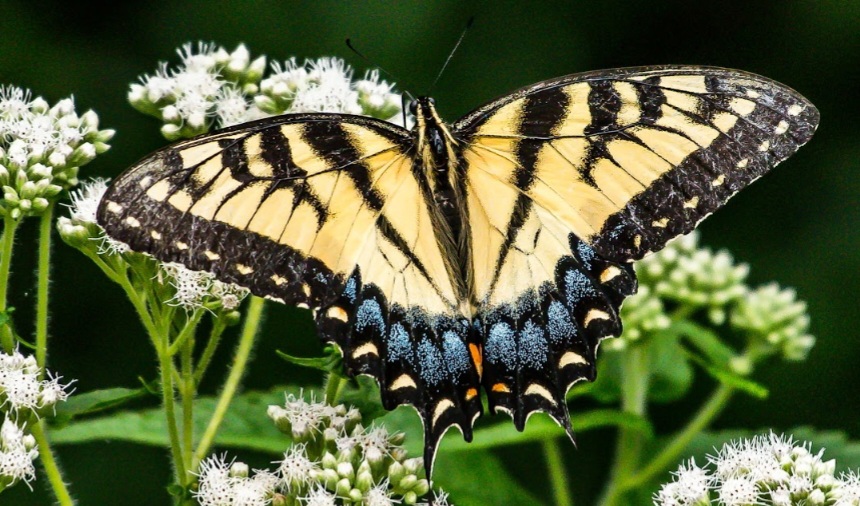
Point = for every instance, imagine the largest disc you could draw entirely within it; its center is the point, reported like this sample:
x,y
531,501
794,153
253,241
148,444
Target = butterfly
x,y
489,255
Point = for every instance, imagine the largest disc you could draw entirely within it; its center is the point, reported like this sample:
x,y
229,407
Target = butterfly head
x,y
434,139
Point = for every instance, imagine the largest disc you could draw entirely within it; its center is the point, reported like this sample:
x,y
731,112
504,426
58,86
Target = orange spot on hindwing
x,y
477,359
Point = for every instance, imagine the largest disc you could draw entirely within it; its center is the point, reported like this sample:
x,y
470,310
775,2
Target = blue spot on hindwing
x,y
456,354
369,314
430,359
532,346
399,345
500,346
559,324
586,254
577,286
349,290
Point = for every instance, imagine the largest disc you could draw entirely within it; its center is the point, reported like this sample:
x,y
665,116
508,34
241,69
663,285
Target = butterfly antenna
x,y
369,61
451,54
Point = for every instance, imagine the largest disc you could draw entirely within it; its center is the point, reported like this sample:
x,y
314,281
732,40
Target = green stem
x,y
7,340
333,385
557,476
188,390
211,345
679,441
634,397
44,272
186,334
49,463
231,385
168,400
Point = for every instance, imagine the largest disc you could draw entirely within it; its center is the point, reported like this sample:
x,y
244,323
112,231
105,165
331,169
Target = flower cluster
x,y
777,319
690,277
334,460
212,87
195,289
22,390
688,274
41,149
17,452
766,470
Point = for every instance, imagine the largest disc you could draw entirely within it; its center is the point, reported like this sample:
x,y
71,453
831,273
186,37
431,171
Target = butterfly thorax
x,y
437,161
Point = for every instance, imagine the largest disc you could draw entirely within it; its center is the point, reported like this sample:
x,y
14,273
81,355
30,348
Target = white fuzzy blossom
x,y
767,470
296,468
319,496
372,470
228,484
17,452
21,388
42,148
194,289
212,87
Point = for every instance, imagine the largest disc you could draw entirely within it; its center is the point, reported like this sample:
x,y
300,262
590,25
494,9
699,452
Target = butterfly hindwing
x,y
570,179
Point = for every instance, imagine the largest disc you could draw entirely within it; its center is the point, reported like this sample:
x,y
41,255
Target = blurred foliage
x,y
797,226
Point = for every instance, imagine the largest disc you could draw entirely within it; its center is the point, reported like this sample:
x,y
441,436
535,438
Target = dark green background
x,y
798,226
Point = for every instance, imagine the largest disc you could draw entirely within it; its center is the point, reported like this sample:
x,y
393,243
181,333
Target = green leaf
x,y
245,425
669,372
705,340
94,402
6,316
732,379
479,479
330,362
493,434
541,427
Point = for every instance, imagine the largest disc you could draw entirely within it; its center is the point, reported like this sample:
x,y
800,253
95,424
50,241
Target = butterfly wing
x,y
569,180
326,212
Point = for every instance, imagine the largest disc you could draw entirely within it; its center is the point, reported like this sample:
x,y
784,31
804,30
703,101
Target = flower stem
x,y
634,397
679,441
187,390
211,345
240,361
7,340
43,278
49,463
333,385
168,399
557,476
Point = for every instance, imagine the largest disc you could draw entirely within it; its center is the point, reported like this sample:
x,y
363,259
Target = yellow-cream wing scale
x,y
327,212
568,181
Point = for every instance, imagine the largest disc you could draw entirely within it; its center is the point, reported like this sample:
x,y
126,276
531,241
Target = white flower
x,y
297,469
22,389
440,498
85,200
196,288
214,484
738,492
319,496
379,495
227,484
374,444
17,452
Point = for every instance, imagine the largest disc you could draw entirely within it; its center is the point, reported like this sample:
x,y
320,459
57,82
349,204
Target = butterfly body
x,y
491,254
